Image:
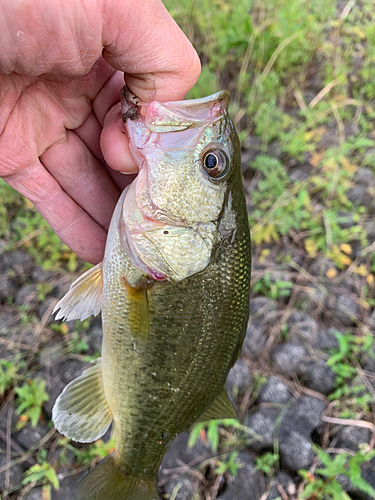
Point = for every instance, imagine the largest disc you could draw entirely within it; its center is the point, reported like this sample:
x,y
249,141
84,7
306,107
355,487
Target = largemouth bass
x,y
173,290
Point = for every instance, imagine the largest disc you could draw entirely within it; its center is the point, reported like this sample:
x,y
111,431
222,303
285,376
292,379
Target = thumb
x,y
141,39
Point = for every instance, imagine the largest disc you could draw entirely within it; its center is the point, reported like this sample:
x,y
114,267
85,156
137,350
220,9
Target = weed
x,y
228,465
267,463
25,315
323,484
350,391
43,473
43,289
30,398
97,450
274,290
9,373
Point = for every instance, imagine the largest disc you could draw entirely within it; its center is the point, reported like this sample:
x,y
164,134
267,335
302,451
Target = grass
x,y
302,80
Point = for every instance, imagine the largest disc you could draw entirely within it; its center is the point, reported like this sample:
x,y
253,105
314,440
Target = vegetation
x,y
302,80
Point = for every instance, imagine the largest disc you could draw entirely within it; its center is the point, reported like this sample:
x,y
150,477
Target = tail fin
x,y
106,482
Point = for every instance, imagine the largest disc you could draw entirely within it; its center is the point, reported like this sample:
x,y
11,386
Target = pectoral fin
x,y
84,296
220,409
81,412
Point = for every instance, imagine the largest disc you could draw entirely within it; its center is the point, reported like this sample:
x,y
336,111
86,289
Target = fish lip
x,y
222,95
129,101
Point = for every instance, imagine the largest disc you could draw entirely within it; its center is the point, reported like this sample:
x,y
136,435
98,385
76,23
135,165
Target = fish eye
x,y
216,163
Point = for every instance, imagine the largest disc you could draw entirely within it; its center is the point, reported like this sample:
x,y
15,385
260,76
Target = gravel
x,y
317,376
274,391
238,380
15,476
249,483
30,436
288,356
262,425
281,409
21,263
350,437
263,315
35,494
296,451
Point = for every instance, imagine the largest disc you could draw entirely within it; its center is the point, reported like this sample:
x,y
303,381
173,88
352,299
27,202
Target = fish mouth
x,y
171,116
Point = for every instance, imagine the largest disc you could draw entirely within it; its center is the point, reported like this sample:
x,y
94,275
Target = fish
x,y
173,291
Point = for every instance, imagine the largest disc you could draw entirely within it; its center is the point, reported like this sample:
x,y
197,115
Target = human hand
x,y
61,67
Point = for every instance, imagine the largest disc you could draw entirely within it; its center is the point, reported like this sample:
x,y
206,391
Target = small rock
x,y
16,475
328,139
255,341
47,305
29,436
351,437
327,340
274,391
262,308
8,287
310,410
304,416
21,263
311,299
370,230
4,420
345,219
287,357
95,335
186,487
71,369
345,309
351,128
369,362
371,322
27,296
248,484
263,315
296,451
67,488
54,390
179,453
284,481
39,275
318,376
368,474
358,194
301,324
287,256
238,380
321,266
35,494
301,173
364,177
262,424
8,319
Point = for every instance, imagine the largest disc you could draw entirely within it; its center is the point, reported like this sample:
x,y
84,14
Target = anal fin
x,y
81,412
220,409
84,296
107,482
